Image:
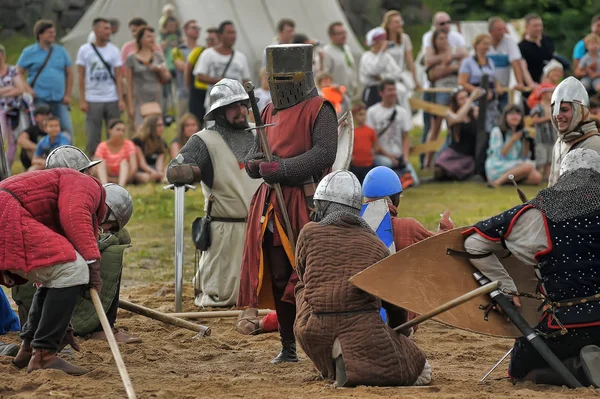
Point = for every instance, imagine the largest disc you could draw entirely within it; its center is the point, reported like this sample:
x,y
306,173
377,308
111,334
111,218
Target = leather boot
x,y
288,353
22,359
43,359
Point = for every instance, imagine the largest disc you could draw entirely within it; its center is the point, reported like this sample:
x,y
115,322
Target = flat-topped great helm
x,y
225,92
290,73
572,91
68,156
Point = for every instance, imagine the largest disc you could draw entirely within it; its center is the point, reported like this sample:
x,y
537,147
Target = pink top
x,y
130,48
113,160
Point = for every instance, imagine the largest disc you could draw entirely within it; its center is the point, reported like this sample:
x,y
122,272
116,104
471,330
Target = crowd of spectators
x,y
167,68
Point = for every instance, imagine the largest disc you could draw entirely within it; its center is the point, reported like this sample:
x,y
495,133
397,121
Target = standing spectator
x,y
471,74
131,46
545,134
169,38
49,73
588,69
29,138
99,70
536,48
119,155
150,149
187,126
392,124
400,47
115,24
52,140
197,88
168,11
301,38
286,30
262,93
338,60
377,65
505,54
580,48
366,144
509,150
146,73
222,61
441,75
180,54
441,21
457,161
11,88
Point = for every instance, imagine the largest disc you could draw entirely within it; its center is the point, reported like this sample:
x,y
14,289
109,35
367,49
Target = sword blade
x,y
495,366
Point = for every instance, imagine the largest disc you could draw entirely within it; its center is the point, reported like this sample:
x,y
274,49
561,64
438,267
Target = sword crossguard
x,y
174,186
249,129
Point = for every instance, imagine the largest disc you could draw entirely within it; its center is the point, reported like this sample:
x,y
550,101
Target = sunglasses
x,y
443,23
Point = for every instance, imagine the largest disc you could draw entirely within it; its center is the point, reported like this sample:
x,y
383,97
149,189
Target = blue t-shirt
x,y
476,72
45,147
579,50
50,86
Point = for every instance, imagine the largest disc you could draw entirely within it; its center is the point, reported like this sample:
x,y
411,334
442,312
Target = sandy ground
x,y
170,363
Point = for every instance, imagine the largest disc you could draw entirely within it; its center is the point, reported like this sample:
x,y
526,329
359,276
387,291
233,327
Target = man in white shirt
x,y
115,24
505,53
99,68
338,60
222,61
286,30
392,124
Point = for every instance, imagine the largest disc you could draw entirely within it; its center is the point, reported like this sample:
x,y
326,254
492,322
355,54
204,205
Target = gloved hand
x,y
252,163
95,279
184,174
445,222
272,172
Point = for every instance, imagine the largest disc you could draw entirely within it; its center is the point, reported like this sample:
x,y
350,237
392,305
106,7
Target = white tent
x,y
255,21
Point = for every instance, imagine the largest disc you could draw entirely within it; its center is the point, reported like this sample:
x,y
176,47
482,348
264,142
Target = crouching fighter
x,y
383,183
558,233
215,157
50,221
337,324
304,143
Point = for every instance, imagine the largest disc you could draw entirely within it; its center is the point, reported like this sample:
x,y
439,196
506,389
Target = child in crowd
x,y
262,93
545,134
553,74
588,70
334,93
365,144
29,138
52,140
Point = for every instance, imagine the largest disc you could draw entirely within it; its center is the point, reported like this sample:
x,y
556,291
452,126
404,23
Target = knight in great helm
x,y
571,119
558,234
304,143
215,157
338,325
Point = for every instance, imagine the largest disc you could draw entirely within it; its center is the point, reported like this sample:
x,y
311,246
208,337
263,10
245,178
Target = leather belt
x,y
228,220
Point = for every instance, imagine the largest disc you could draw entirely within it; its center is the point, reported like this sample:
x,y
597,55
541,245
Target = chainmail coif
x,y
576,193
328,213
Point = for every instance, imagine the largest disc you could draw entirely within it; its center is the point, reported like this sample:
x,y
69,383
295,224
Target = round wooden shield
x,y
345,142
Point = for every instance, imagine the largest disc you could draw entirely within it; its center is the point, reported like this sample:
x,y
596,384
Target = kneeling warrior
x,y
558,233
50,221
215,157
338,325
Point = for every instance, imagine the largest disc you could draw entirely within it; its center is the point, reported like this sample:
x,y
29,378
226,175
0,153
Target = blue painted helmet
x,y
381,182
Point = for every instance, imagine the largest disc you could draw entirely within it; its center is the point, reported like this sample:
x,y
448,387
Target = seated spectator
x,y
392,124
457,161
335,94
28,139
11,88
471,72
262,93
366,144
441,75
553,73
509,151
54,139
151,149
580,47
595,108
187,126
588,69
119,155
545,134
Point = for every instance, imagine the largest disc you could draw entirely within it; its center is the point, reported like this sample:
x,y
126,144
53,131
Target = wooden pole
x,y
215,314
486,289
153,314
112,342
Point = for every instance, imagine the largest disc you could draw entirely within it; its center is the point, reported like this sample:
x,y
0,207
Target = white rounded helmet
x,y
119,203
580,158
225,92
68,156
341,187
572,91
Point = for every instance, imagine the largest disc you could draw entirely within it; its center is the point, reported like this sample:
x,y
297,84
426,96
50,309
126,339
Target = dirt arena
x,y
170,363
